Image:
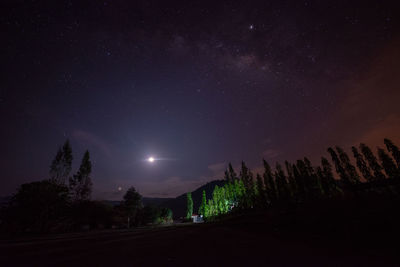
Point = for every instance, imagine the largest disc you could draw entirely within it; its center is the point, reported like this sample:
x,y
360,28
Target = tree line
x,y
301,181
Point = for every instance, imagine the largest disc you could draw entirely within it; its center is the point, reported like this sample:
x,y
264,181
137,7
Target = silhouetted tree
x,y
362,165
329,183
349,168
189,205
302,177
291,180
312,182
372,162
38,206
226,176
232,173
132,204
61,165
260,191
281,183
269,182
247,177
394,150
339,167
81,183
388,165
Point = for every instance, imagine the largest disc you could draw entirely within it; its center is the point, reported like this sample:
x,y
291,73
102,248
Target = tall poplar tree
x,y
338,166
232,173
261,199
388,164
362,165
281,182
291,180
302,177
61,165
332,185
349,168
269,182
189,205
203,206
392,148
372,162
81,183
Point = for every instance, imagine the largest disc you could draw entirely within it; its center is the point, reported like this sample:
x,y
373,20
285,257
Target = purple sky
x,y
199,84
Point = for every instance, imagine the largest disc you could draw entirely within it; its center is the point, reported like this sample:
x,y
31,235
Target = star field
x,y
204,83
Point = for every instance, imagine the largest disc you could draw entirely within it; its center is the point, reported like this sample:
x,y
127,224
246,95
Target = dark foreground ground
x,y
346,234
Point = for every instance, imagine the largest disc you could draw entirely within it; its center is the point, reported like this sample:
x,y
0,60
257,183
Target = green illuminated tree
x,y
203,206
189,205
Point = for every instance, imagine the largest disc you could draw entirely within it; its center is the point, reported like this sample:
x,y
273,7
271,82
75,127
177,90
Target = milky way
x,y
202,83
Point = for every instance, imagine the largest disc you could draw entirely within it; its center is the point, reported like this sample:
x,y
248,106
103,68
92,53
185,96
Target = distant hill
x,y
145,200
154,200
178,204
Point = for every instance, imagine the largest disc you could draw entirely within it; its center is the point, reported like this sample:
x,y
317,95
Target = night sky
x,y
195,84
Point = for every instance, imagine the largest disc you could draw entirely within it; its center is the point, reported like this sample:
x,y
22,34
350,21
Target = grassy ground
x,y
361,232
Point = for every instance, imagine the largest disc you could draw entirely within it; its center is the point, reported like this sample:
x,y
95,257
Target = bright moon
x,y
151,159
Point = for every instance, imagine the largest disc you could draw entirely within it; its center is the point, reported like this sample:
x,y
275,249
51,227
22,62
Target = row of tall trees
x,y
301,181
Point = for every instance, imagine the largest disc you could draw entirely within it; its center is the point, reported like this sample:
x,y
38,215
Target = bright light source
x,y
151,159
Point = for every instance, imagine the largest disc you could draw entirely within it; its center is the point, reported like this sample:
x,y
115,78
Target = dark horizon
x,y
196,84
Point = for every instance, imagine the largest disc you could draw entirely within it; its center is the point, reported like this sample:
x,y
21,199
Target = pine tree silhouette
x,y
394,150
372,162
